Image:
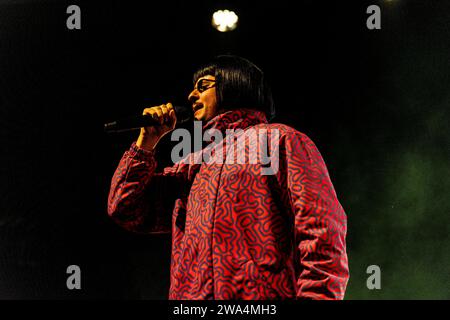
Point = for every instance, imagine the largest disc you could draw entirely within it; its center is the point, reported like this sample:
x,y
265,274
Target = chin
x,y
200,116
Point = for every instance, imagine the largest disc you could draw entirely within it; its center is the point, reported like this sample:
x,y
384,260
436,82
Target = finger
x,y
172,114
165,111
151,112
159,112
147,111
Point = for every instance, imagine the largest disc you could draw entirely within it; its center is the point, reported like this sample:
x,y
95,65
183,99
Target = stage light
x,y
224,20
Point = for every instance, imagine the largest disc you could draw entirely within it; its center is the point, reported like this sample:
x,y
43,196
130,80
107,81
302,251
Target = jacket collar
x,y
236,119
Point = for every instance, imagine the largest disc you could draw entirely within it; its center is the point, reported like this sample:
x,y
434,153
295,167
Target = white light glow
x,y
224,20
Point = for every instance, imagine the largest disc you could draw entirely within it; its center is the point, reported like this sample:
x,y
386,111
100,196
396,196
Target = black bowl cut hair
x,y
239,84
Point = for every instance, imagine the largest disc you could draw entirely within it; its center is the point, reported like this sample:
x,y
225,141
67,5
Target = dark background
x,y
374,102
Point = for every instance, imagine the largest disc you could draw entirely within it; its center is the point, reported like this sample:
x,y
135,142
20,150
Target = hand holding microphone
x,y
167,120
154,123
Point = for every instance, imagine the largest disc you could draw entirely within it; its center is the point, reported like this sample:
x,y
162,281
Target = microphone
x,y
183,115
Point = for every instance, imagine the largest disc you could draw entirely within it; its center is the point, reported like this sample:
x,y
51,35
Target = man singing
x,y
237,233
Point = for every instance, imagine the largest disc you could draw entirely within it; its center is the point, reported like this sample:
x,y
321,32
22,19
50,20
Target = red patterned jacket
x,y
237,234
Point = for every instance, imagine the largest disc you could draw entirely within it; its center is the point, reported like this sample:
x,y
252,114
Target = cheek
x,y
212,101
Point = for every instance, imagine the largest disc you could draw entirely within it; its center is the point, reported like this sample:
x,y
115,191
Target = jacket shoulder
x,y
285,131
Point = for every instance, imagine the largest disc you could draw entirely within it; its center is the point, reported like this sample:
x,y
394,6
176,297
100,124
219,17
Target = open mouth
x,y
197,107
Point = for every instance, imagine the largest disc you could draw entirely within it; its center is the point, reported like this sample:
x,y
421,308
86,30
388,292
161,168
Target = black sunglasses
x,y
204,84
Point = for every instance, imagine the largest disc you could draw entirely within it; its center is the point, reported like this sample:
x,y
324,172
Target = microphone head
x,y
184,114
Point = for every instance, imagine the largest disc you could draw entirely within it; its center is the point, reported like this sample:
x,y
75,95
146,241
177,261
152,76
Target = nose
x,y
193,96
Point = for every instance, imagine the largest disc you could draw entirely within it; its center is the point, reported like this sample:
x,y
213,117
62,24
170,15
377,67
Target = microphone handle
x,y
183,115
131,123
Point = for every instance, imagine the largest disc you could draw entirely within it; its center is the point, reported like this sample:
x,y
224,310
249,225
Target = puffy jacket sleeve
x,y
320,223
141,200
